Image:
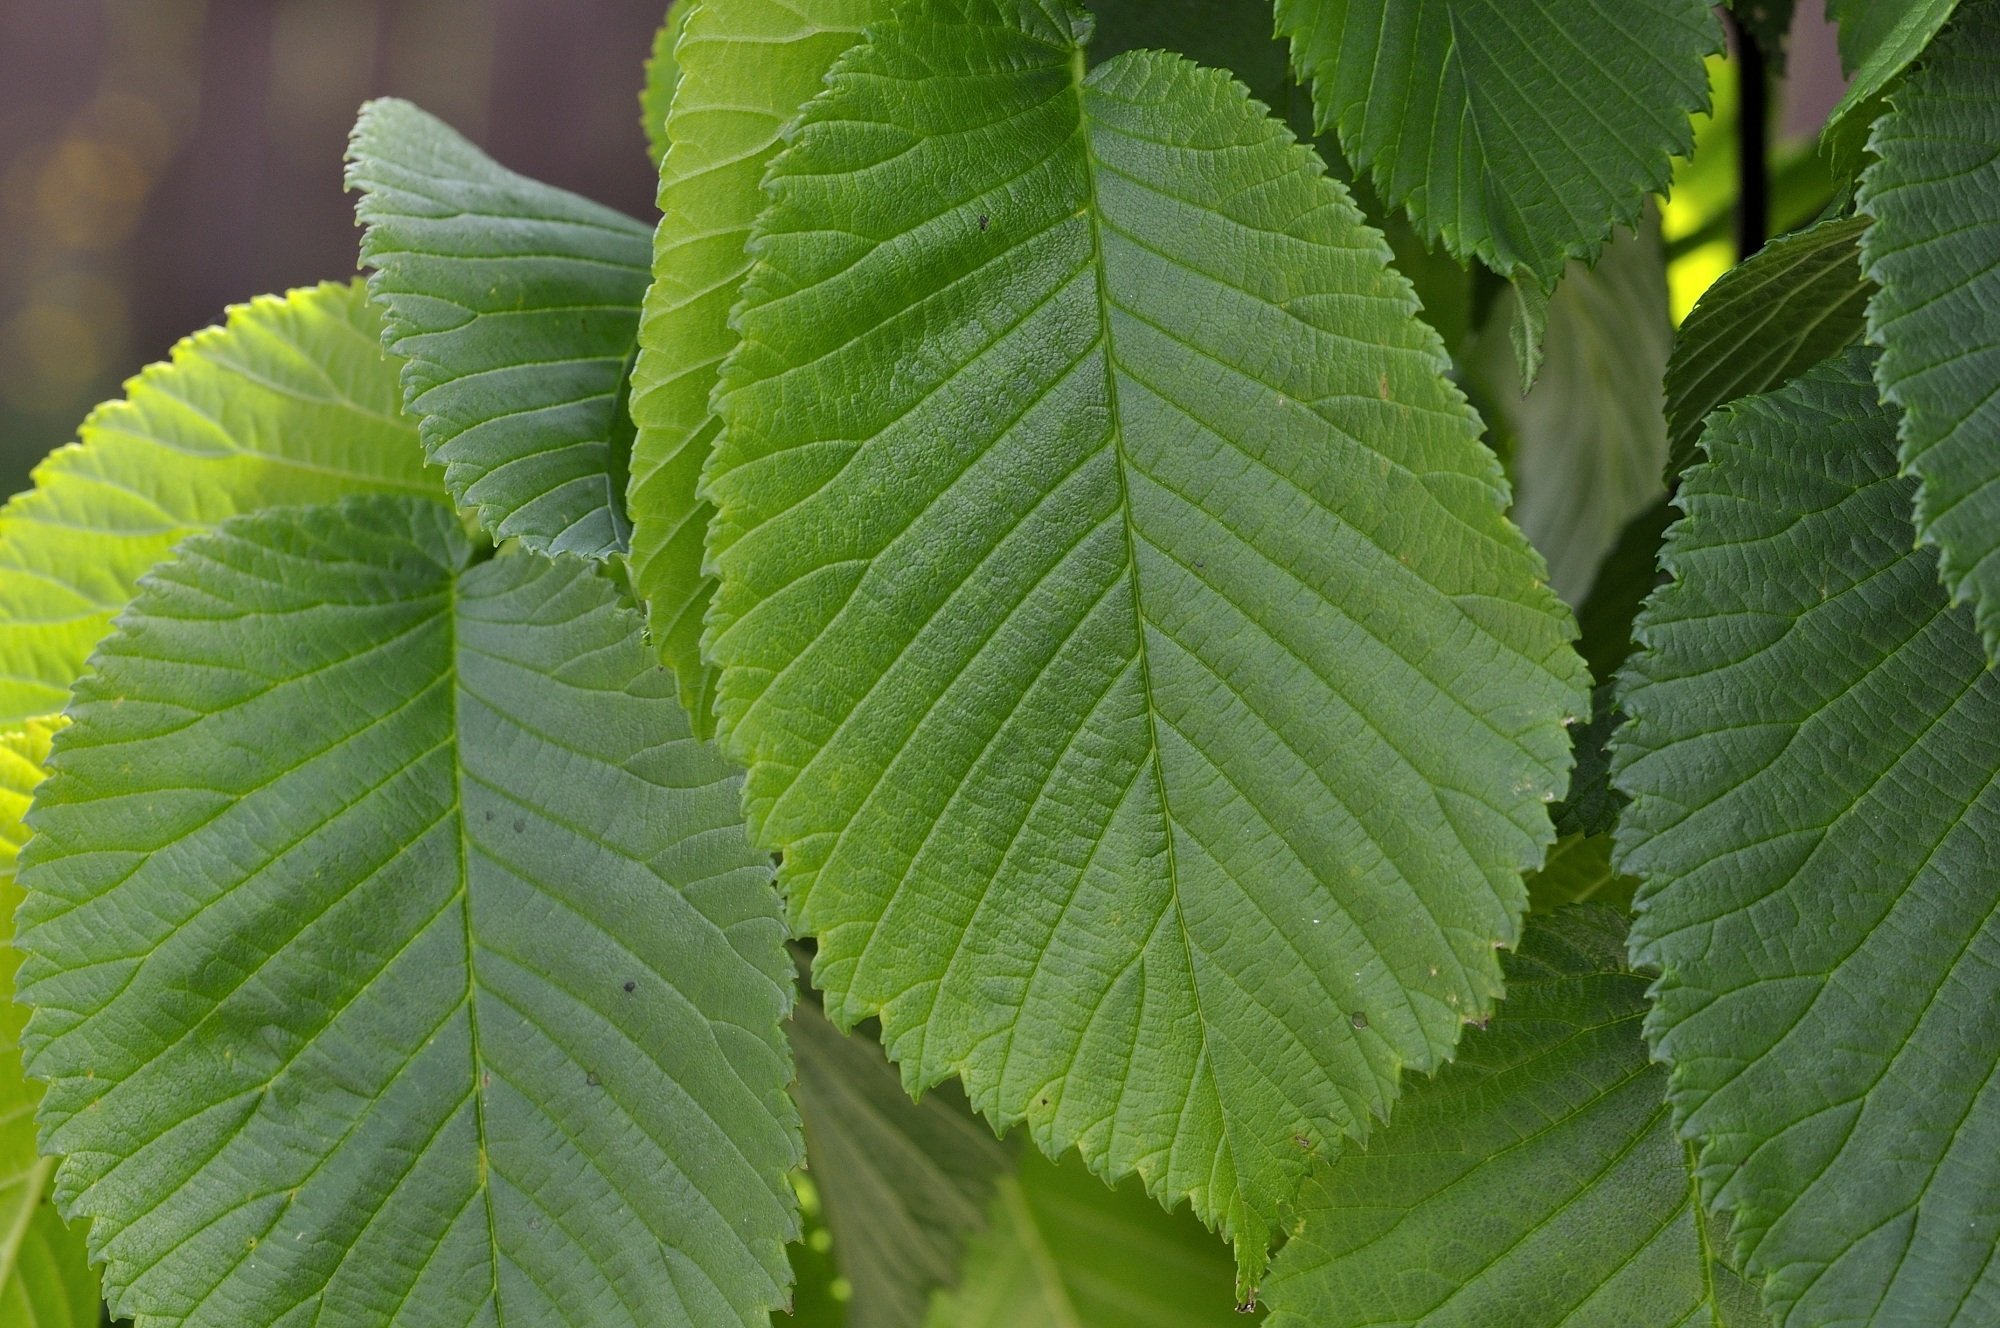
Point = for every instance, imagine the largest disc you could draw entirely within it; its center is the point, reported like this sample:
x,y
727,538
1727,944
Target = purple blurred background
x,y
160,159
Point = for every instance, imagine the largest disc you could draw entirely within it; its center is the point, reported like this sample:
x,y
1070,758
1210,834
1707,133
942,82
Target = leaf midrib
x,y
1101,290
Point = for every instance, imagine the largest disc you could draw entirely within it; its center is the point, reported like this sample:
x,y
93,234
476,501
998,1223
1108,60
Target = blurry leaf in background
x,y
1063,1250
1935,249
290,401
1589,441
1628,574
1796,301
1535,1180
46,1280
515,307
903,1185
1769,22
663,76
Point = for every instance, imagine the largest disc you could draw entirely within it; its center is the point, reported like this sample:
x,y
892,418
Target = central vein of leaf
x,y
471,979
1103,290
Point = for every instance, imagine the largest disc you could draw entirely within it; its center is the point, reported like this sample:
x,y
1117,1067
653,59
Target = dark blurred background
x,y
160,159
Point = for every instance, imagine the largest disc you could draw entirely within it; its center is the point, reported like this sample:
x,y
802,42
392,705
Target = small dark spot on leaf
x,y
590,1077
1249,1305
1303,1142
631,987
1358,1019
520,824
983,221
1045,1102
489,815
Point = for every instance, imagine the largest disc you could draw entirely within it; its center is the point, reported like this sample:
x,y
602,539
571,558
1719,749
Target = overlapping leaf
x,y
1812,756
1116,613
1878,41
515,306
663,77
1935,249
1796,301
1589,442
905,1184
291,401
746,68
395,953
1519,131
45,1276
1537,1180
1063,1251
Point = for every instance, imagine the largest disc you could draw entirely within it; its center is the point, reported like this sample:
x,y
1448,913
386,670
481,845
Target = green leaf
x,y
1217,33
1519,131
396,954
663,76
1796,301
1935,198
1878,40
1537,1180
905,1184
746,68
291,401
1589,442
1811,753
1629,573
1117,617
515,306
45,1277
1579,870
1065,1251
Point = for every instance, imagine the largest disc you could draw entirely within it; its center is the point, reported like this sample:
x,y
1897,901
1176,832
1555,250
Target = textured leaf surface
x,y
291,401
1589,442
904,1183
1519,131
1579,871
1064,1251
747,67
45,1277
1811,754
1878,41
395,953
1796,301
1935,249
1537,1180
1143,667
515,306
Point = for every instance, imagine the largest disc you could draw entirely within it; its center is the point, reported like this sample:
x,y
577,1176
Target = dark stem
x,y
1753,133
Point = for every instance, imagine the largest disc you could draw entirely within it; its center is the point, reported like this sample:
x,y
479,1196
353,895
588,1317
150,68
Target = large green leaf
x,y
1064,1251
395,953
515,306
1790,305
1518,131
1878,41
1811,754
45,1277
291,401
1935,249
905,1184
1588,439
1536,1181
1117,616
746,68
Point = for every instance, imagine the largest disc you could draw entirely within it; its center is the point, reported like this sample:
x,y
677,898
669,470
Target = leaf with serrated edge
x,y
1065,1251
1519,131
1878,40
1117,616
663,76
1811,755
904,1183
45,1274
1537,1180
290,401
1935,248
1796,301
746,68
515,307
395,954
